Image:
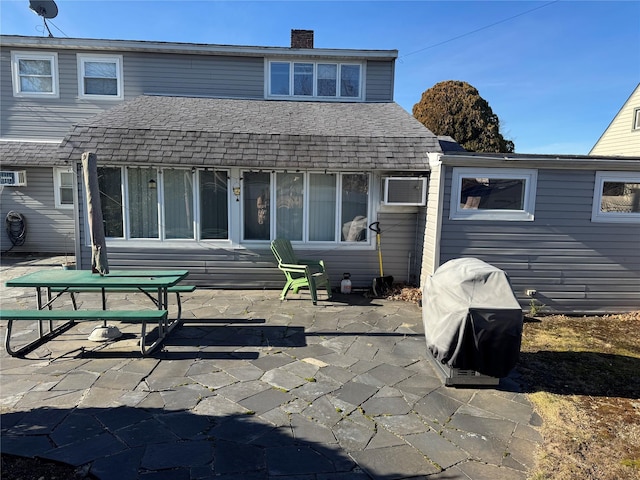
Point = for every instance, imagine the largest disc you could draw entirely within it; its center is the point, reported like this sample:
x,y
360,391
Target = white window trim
x,y
161,240
235,216
423,191
636,119
117,59
612,217
51,57
305,242
530,177
314,96
57,172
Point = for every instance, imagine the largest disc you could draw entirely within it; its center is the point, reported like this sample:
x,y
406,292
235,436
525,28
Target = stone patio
x,y
250,387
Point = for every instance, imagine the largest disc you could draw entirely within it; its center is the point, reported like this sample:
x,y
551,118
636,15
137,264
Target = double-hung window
x,y
493,194
35,74
306,206
326,80
63,184
616,197
164,204
100,76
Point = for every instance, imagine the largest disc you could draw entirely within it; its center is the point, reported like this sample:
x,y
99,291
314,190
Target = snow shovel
x,y
381,284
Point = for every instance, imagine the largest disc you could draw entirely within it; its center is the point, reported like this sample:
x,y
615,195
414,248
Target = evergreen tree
x,y
456,109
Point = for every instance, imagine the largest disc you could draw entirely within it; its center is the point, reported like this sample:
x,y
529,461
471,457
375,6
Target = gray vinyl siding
x,y
379,81
143,73
6,89
46,118
208,267
193,75
398,237
255,267
575,265
48,229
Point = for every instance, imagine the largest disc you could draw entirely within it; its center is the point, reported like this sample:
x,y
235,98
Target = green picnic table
x,y
156,284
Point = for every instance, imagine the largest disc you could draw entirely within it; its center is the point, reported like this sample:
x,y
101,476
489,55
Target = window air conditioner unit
x,y
405,190
13,179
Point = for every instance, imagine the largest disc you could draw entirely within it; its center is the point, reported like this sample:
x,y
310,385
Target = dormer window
x,y
299,80
327,79
303,79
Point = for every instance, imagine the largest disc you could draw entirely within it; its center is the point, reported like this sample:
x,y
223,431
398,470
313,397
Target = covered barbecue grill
x,y
472,322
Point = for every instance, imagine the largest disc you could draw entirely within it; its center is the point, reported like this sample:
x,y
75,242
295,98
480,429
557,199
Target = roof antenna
x,y
45,9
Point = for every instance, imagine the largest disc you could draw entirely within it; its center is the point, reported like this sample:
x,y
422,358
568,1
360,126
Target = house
x,y
622,136
565,228
208,152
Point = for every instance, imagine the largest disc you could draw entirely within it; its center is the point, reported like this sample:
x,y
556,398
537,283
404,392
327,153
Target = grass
x,y
583,378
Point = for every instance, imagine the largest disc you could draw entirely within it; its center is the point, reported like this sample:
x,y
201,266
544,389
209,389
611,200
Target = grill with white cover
x,y
472,322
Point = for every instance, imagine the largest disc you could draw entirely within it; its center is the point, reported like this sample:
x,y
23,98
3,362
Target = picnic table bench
x,y
73,316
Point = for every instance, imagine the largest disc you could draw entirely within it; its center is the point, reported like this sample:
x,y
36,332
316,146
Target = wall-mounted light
x,y
152,184
236,191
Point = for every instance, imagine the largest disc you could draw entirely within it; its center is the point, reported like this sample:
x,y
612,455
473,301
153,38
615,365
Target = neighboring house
x,y
208,152
622,136
565,228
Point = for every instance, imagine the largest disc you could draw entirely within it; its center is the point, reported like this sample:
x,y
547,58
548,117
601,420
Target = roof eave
x,y
574,162
18,41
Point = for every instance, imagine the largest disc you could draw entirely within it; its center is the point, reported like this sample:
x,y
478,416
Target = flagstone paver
x,y
255,388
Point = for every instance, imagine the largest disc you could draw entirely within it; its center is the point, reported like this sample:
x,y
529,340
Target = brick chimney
x,y
301,38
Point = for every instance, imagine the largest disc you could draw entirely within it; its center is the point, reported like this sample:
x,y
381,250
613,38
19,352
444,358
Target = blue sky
x,y
555,72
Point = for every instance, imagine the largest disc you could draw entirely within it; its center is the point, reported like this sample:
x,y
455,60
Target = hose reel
x,y
16,227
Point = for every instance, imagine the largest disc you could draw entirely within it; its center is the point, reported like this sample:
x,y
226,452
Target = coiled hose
x,y
16,228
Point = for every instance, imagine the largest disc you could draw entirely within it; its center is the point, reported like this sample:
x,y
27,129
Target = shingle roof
x,y
29,154
254,133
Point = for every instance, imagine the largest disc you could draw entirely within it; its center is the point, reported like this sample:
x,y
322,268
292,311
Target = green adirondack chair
x,y
299,272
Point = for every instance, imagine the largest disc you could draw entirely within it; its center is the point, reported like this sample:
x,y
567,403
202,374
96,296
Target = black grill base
x,y
456,376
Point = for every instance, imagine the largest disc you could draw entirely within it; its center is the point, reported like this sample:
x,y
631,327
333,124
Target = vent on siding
x,y
13,179
405,190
